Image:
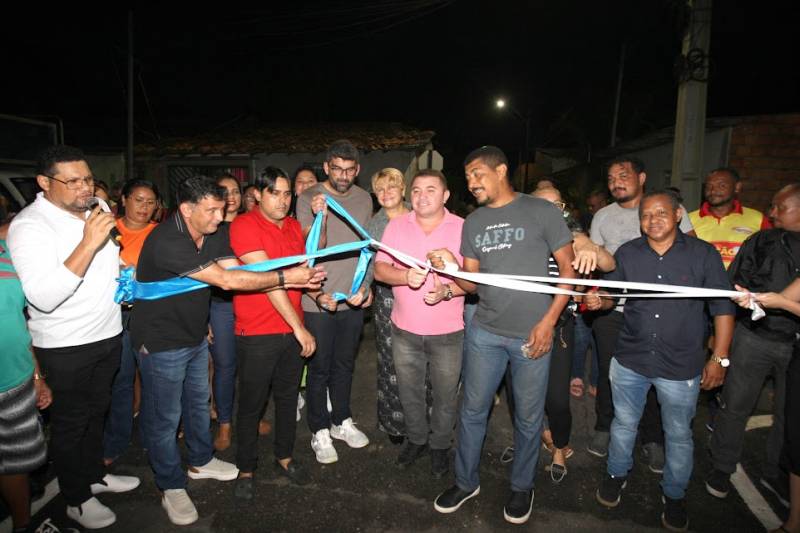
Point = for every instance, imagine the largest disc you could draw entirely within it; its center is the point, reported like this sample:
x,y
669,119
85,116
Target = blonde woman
x,y
389,187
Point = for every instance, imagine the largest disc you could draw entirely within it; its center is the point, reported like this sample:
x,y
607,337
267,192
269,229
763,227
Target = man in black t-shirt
x,y
767,262
169,336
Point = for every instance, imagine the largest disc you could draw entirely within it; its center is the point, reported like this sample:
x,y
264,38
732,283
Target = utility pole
x,y
690,122
620,75
129,157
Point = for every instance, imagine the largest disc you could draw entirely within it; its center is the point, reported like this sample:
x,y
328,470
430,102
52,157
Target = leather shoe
x,y
295,471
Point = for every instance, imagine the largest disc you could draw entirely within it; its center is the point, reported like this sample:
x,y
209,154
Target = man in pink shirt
x,y
427,320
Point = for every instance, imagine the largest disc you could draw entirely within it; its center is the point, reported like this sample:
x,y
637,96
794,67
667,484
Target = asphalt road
x,y
364,491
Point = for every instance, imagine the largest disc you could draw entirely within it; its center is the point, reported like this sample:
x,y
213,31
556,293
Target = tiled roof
x,y
246,138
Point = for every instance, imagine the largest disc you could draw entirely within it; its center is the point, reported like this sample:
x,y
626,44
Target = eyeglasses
x,y
561,205
74,183
338,171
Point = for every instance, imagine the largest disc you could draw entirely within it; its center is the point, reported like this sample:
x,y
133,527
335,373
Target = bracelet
x,y
281,280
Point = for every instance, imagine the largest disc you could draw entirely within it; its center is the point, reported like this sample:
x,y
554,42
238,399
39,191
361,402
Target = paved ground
x,y
363,491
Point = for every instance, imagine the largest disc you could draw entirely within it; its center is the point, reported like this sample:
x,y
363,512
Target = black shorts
x,y
22,446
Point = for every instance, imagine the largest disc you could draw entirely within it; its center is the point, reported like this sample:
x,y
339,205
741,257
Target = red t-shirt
x,y
251,232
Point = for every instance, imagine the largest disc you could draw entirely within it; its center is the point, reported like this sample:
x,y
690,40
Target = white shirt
x,y
65,309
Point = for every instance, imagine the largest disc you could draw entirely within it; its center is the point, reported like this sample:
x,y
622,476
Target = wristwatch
x,y
724,362
449,294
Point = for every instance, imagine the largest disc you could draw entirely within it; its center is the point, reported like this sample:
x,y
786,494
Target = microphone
x,y
116,236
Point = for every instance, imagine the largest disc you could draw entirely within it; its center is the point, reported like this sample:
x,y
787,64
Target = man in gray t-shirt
x,y
336,326
613,226
510,234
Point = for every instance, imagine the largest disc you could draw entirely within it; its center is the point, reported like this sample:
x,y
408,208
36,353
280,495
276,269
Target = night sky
x,y
431,64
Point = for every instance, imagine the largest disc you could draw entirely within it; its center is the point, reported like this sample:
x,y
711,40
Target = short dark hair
x,y
599,192
673,199
195,188
342,149
130,185
59,153
268,177
433,173
636,163
728,170
490,155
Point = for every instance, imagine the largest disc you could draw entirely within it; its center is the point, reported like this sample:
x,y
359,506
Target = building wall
x,y
765,150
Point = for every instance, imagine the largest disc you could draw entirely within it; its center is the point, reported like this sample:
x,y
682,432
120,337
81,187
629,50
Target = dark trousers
x,y
792,414
80,378
559,417
415,357
606,329
753,358
331,367
266,362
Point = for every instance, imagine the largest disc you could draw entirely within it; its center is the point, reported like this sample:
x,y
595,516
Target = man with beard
x,y
271,340
767,262
510,233
67,267
722,220
335,325
169,336
613,226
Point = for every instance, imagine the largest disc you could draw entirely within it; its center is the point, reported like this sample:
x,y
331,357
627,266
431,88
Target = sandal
x,y
576,387
557,472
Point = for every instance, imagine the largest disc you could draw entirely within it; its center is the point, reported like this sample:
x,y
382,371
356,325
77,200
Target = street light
x,y
501,104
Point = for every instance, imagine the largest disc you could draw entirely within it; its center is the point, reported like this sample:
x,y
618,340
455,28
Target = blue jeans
x,y
175,382
119,420
488,355
223,354
678,400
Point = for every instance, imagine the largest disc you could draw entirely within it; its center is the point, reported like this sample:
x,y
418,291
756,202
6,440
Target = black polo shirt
x,y
664,337
179,321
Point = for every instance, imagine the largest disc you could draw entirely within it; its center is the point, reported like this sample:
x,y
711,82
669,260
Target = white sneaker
x,y
92,514
323,447
214,469
179,507
354,437
112,483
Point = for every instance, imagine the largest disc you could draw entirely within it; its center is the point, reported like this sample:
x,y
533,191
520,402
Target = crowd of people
x,y
444,345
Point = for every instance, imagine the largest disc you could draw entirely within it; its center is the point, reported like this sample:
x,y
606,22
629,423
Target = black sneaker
x,y
453,498
518,508
440,464
674,516
599,445
295,471
718,483
779,486
411,452
654,453
610,492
